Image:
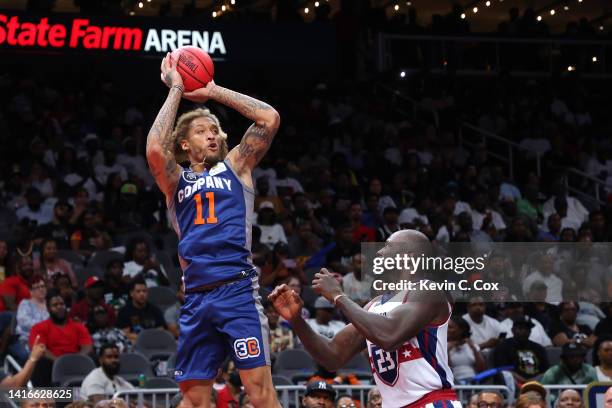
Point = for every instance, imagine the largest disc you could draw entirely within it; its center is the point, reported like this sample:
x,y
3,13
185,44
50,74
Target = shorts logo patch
x,y
178,372
190,176
247,348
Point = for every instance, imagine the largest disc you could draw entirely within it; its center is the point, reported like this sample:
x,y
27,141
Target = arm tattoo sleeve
x,y
161,132
244,104
255,141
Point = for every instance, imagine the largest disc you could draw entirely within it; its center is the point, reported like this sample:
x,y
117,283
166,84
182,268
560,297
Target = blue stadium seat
x,y
155,344
162,297
133,365
295,364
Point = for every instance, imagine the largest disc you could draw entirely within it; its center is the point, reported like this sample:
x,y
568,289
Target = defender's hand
x,y
326,284
169,75
200,95
287,303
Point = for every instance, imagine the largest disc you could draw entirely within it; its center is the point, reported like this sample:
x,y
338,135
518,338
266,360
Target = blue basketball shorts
x,y
228,320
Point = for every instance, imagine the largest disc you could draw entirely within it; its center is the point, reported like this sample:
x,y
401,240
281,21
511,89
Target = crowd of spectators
x,y
345,168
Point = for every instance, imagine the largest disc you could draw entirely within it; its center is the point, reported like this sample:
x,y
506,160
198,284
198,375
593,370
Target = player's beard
x,y
212,160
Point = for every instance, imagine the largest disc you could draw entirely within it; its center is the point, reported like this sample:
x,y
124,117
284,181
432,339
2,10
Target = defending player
x,y
211,203
404,333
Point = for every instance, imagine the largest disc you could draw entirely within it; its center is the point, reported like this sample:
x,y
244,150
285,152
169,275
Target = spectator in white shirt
x,y
545,273
271,231
110,165
323,323
286,185
139,260
35,210
103,381
602,360
485,330
355,285
515,311
90,150
464,357
573,212
417,215
485,218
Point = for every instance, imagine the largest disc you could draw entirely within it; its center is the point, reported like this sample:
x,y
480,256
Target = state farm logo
x,y
82,34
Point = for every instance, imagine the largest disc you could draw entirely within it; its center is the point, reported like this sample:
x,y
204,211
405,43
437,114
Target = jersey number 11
x,y
211,219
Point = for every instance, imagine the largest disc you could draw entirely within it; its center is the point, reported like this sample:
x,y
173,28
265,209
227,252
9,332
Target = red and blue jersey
x,y
212,214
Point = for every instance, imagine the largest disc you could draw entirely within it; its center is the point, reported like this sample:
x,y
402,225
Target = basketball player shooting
x,y
211,207
404,333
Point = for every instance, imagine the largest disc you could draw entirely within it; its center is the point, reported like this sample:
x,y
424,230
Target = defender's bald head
x,y
407,241
408,236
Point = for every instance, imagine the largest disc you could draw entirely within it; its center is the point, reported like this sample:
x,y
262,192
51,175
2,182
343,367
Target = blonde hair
x,y
182,128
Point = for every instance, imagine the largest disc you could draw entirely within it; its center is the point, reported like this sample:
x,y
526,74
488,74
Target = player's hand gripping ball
x,y
195,66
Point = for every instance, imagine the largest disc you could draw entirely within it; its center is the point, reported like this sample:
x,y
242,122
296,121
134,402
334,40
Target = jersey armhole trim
x,y
438,323
178,181
246,188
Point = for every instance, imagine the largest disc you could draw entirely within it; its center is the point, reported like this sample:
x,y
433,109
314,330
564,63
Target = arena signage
x,y
82,33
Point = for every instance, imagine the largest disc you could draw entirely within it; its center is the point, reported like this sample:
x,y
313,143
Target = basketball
x,y
195,66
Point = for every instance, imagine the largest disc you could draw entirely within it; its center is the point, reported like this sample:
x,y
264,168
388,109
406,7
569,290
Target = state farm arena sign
x,y
19,31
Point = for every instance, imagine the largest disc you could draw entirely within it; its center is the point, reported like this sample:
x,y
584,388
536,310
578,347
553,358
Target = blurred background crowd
x,y
88,259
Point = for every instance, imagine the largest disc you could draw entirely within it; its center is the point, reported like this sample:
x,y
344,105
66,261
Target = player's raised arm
x,y
258,137
331,354
159,141
390,331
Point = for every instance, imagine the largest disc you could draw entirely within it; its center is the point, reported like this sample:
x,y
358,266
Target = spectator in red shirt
x,y
361,233
16,288
94,295
60,335
228,395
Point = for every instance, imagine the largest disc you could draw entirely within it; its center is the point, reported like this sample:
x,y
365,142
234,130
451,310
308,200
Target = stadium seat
x,y
554,355
162,297
359,366
160,382
295,364
133,365
281,380
155,344
70,369
71,256
101,259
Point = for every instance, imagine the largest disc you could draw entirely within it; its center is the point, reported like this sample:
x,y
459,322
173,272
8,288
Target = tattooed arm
x,y
159,143
258,137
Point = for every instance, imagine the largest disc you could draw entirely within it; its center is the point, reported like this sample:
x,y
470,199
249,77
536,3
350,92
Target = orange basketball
x,y
195,66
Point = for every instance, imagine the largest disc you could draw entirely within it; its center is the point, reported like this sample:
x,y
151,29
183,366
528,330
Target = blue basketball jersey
x,y
212,215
